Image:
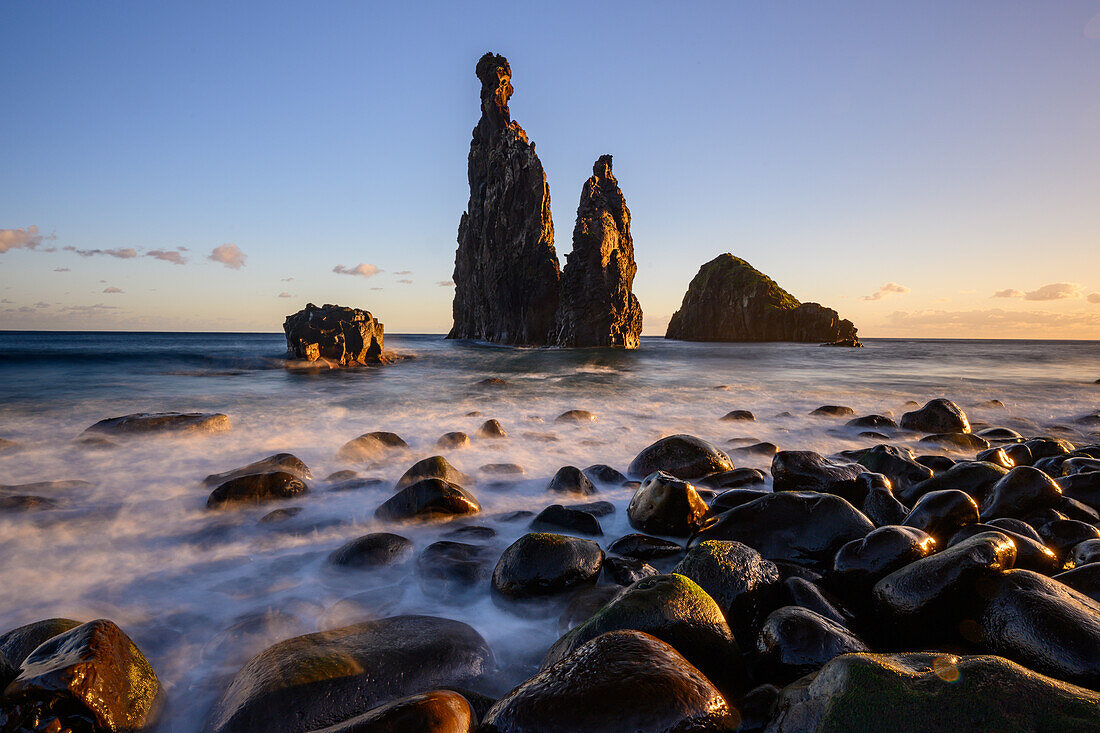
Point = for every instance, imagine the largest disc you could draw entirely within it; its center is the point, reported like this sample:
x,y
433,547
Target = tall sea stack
x,y
506,271
597,306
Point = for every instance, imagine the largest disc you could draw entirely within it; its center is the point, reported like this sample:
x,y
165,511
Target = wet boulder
x,y
370,447
861,563
942,513
144,423
798,470
627,570
644,547
257,488
439,711
1084,553
665,505
1061,535
974,477
878,422
1022,490
1043,447
287,462
1044,625
961,442
372,551
571,480
604,474
996,456
431,498
17,644
879,504
322,679
677,611
802,527
833,411
734,478
683,456
619,682
543,564
922,692
449,569
1031,553
557,518
577,417
456,439
739,416
897,464
795,641
91,677
432,467
1083,487
937,416
734,498
804,593
1085,580
491,429
334,334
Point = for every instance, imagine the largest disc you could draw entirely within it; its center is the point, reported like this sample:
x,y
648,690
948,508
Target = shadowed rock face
x,y
345,336
597,306
729,300
506,271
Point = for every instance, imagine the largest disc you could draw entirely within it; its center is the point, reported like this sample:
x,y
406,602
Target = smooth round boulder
x,y
803,470
665,505
644,547
619,682
872,421
1043,447
287,462
734,478
937,416
371,551
803,527
604,474
454,439
326,678
429,499
370,447
861,563
450,570
974,477
1084,553
735,497
897,464
961,442
677,611
432,467
625,571
140,423
738,416
577,417
491,429
802,592
571,480
1061,535
257,488
1019,492
557,518
880,505
795,641
542,564
683,456
833,411
439,711
996,455
1085,580
17,644
942,513
1031,554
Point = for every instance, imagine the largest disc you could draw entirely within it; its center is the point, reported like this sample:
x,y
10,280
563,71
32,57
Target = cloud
x,y
1008,293
112,289
286,279
1054,291
285,295
122,253
403,272
446,283
362,270
993,319
168,255
41,304
28,238
61,269
405,282
229,255
377,288
1094,297
887,289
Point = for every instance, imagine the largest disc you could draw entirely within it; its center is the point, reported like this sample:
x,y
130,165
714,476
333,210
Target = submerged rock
x,y
371,551
431,498
370,447
438,711
571,480
729,300
506,271
432,467
287,462
619,682
922,692
683,456
544,564
322,679
557,518
257,488
162,422
335,334
597,307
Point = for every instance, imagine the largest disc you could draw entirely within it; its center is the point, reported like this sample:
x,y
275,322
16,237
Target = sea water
x,y
202,591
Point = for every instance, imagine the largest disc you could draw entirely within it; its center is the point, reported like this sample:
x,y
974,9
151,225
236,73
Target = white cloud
x,y
61,269
377,288
1009,293
285,295
403,272
887,289
168,255
122,253
362,270
992,319
446,283
1094,297
404,281
1054,291
229,255
112,289
28,238
286,279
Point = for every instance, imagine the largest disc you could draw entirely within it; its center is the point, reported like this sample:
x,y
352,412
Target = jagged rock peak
x,y
597,307
506,270
730,300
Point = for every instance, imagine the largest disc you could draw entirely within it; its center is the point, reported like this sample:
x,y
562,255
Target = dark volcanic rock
x,y
880,505
556,518
644,547
897,464
833,410
571,480
739,416
287,462
370,447
428,499
371,551
973,477
162,422
937,416
17,644
729,300
683,456
963,442
1031,553
619,682
1085,580
734,478
872,421
604,474
597,307
439,711
544,564
803,470
862,563
432,467
922,692
666,505
804,593
455,439
89,678
795,641
321,679
256,488
802,527
450,569
942,513
627,570
506,271
1023,490
334,334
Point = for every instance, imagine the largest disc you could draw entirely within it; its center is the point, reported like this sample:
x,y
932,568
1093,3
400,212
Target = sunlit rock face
x,y
506,271
730,300
597,306
334,334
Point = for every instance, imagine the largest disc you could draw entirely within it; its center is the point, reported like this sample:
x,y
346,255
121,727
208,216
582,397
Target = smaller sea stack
x,y
334,334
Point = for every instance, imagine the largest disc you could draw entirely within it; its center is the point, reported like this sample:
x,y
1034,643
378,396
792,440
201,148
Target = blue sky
x,y
900,162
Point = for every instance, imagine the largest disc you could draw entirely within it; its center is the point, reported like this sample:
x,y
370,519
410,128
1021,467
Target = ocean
x,y
201,592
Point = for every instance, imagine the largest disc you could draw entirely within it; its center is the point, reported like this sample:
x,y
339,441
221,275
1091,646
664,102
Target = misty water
x,y
202,591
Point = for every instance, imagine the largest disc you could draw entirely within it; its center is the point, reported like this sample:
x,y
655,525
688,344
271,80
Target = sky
x,y
928,169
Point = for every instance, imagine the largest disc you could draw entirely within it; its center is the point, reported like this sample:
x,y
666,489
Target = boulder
x,y
921,692
455,439
861,563
439,711
141,423
371,551
683,456
937,416
557,518
619,682
287,462
449,570
878,422
370,447
322,679
627,570
729,300
665,505
597,306
431,498
879,504
543,564
432,467
1022,490
897,464
335,334
604,474
506,271
960,442
1031,554
973,477
491,429
257,488
942,513
798,470
17,644
795,641
571,480
644,547
738,416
